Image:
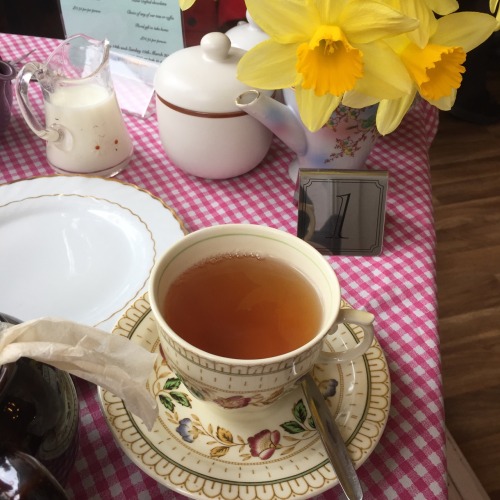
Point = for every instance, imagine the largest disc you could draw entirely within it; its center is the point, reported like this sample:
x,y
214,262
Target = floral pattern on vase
x,y
354,130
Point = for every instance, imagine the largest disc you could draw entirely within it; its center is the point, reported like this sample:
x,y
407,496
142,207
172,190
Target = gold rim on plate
x,y
55,230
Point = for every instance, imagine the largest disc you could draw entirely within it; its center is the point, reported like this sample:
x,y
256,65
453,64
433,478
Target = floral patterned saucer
x,y
206,452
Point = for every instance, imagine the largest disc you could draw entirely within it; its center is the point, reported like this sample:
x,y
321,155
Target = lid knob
x,y
215,46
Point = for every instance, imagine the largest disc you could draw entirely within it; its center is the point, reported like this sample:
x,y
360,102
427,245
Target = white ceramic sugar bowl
x,y
201,129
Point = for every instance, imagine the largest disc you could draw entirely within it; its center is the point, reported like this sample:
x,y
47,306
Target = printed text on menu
x,y
151,29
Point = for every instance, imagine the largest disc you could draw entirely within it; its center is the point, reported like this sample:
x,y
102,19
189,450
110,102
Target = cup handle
x,y
361,318
52,133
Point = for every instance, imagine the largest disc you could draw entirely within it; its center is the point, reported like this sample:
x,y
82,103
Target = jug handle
x,y
52,133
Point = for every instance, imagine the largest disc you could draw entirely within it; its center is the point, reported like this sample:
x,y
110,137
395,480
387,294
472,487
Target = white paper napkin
x,y
110,361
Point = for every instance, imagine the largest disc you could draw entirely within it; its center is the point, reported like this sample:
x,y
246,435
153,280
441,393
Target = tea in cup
x,y
242,313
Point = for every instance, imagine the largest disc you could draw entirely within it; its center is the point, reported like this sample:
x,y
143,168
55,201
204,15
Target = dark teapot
x,y
39,421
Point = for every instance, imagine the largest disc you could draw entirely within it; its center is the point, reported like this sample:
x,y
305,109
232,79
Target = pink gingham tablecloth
x,y
397,286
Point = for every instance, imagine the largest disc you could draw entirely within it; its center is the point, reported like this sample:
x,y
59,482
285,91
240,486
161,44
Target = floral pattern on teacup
x,y
361,407
221,441
232,402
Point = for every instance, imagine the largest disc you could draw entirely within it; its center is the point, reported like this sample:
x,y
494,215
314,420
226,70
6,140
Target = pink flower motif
x,y
264,444
233,402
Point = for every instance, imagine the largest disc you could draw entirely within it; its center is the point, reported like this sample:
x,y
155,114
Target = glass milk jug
x,y
84,126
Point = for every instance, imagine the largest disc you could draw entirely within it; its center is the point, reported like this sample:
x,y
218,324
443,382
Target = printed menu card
x,y
148,29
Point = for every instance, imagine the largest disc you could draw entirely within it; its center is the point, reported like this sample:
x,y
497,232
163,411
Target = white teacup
x,y
237,383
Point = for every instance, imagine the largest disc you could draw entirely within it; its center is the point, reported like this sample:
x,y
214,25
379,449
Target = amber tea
x,y
243,307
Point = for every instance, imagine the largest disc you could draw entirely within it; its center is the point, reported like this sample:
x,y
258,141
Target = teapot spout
x,y
277,117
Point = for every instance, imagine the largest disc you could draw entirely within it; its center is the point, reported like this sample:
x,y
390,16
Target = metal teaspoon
x,y
332,439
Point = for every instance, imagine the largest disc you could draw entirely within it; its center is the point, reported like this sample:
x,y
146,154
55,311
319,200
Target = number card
x,y
342,212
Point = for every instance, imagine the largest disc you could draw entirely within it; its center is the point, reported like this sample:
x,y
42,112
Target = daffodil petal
x,y
315,111
442,7
398,43
269,66
493,6
418,9
358,100
380,61
364,21
331,10
391,112
287,21
464,29
186,4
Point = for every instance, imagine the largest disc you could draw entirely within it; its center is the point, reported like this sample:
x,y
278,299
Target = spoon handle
x,y
332,440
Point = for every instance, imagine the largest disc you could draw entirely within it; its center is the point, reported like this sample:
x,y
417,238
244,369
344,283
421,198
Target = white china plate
x,y
205,452
79,248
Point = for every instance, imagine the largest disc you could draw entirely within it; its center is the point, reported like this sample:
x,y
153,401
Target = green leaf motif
x,y
181,398
300,411
167,402
292,427
171,384
311,423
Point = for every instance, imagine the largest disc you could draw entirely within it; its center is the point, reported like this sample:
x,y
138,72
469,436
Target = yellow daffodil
x,y
494,8
423,10
436,69
325,48
185,4
441,7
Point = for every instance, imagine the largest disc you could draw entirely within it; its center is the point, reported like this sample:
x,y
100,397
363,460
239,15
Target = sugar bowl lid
x,y
201,78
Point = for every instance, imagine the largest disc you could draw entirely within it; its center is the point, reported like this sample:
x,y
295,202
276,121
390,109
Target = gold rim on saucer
x,y
204,452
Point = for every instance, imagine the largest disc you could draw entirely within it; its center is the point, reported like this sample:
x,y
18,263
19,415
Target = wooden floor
x,y
465,171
